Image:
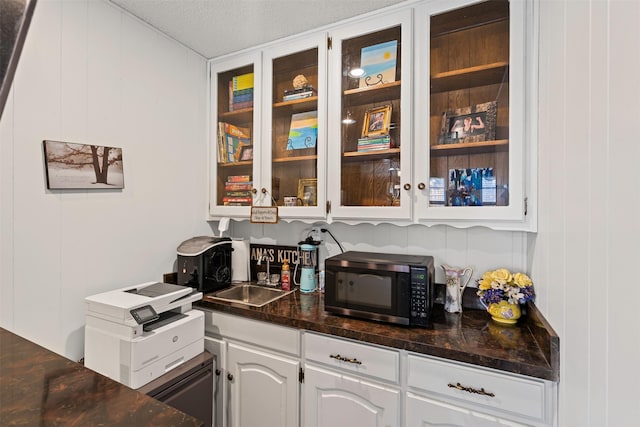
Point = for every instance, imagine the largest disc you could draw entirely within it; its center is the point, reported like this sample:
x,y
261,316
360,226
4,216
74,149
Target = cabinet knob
x,y
421,186
407,186
230,377
254,190
218,372
264,190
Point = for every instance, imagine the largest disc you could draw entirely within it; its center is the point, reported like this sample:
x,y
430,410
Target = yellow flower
x,y
484,284
522,280
502,276
487,275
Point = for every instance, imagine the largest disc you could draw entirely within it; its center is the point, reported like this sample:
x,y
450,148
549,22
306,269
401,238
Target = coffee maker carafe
x,y
204,263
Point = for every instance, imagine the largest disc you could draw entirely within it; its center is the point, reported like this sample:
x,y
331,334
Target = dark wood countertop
x,y
529,348
39,387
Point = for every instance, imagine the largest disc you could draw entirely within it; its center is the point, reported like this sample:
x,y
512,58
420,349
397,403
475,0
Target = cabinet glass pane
x,y
469,105
294,152
370,135
235,137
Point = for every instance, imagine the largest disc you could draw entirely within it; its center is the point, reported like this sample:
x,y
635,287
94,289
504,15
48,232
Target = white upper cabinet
x,y
235,135
422,113
295,127
370,63
475,114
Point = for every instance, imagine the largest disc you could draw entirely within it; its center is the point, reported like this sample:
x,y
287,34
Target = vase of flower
x,y
505,312
502,292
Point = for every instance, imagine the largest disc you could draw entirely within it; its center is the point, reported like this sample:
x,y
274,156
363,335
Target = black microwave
x,y
392,288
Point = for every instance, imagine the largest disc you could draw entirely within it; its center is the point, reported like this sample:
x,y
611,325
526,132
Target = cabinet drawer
x,y
362,359
256,332
497,393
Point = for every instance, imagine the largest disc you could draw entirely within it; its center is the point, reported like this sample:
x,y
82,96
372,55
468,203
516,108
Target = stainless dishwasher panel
x,y
188,387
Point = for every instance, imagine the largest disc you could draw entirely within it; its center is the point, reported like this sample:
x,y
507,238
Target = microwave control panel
x,y
420,298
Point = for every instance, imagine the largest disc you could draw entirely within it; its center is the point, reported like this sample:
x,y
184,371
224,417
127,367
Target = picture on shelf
x,y
378,63
471,187
246,153
475,123
303,132
377,121
307,191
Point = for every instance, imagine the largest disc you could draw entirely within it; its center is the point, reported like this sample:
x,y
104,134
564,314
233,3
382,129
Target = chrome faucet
x,y
265,258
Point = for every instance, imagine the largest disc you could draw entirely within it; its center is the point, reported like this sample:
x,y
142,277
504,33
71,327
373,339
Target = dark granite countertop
x,y
529,348
39,387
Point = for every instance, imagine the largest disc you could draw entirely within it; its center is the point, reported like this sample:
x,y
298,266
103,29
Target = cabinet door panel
x,y
331,399
263,388
425,412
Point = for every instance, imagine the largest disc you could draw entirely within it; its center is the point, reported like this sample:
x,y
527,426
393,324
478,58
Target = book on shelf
x,y
238,186
230,140
303,132
240,99
303,92
239,178
295,96
237,199
382,142
244,81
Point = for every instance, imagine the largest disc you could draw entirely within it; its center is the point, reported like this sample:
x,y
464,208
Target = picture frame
x,y
308,191
73,166
474,123
246,153
377,121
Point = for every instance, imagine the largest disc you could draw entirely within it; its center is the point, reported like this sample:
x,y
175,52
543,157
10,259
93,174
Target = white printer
x,y
135,334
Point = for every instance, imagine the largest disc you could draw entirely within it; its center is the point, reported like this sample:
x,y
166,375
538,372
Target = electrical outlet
x,y
316,234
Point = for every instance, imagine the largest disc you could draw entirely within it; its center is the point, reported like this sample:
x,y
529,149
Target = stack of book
x,y
241,92
231,139
238,190
374,143
304,92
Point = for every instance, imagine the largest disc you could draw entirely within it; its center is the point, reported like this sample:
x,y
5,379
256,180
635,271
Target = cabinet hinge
x,y
328,207
526,205
329,43
301,375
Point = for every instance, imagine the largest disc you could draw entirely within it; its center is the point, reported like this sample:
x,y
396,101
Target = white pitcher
x,y
455,284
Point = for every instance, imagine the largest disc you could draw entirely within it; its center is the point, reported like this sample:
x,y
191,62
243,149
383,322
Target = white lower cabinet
x,y
350,383
263,388
423,411
332,399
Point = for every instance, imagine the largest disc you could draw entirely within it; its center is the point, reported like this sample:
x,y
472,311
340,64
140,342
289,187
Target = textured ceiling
x,y
217,27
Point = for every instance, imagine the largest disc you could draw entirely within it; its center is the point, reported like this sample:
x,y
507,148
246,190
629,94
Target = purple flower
x,y
527,291
491,296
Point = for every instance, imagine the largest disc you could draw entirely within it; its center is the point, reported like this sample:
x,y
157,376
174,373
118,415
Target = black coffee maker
x,y
204,263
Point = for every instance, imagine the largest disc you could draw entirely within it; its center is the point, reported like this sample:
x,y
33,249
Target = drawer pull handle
x,y
345,359
457,386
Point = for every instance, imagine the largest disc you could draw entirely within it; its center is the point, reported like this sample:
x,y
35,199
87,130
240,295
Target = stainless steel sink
x,y
253,295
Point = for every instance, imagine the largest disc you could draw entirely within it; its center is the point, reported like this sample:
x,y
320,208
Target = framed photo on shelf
x,y
307,191
377,121
246,153
469,124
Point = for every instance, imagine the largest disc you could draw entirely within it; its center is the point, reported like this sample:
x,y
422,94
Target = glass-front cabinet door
x,y
470,86
234,134
370,118
294,127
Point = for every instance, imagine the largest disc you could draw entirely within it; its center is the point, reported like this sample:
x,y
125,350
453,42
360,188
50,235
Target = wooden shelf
x,y
464,78
371,155
294,159
453,149
245,114
234,164
312,100
377,93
